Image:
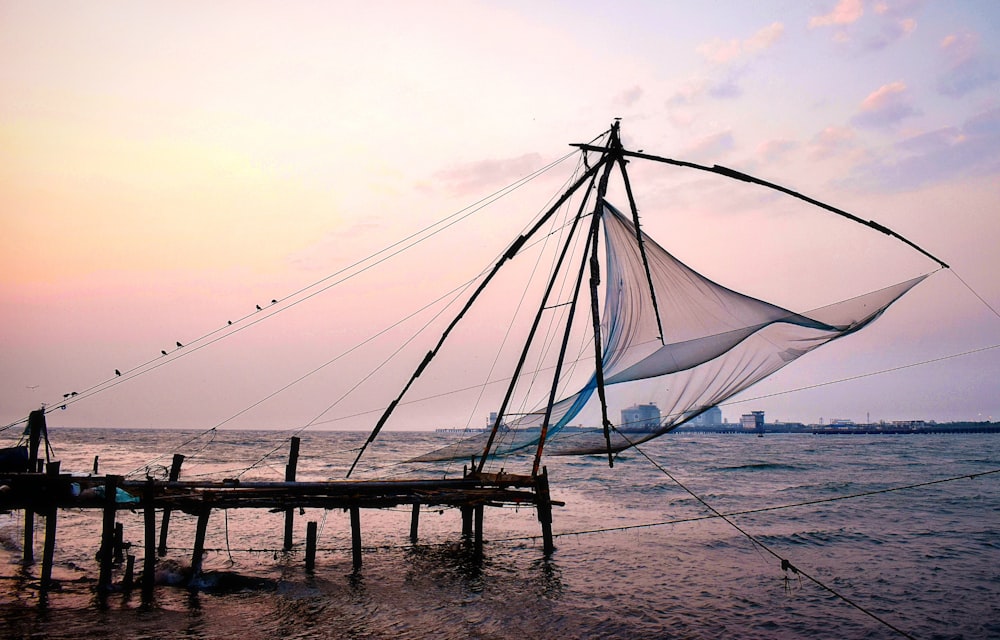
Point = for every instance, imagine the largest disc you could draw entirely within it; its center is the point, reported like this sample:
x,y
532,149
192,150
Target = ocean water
x,y
637,556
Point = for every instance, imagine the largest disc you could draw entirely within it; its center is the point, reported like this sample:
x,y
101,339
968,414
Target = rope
x,y
785,564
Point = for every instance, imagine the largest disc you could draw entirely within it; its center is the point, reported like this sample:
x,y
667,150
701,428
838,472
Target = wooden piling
x,y
49,549
199,541
466,522
310,547
149,540
28,556
129,578
175,473
543,507
105,554
414,522
290,468
477,544
119,547
356,536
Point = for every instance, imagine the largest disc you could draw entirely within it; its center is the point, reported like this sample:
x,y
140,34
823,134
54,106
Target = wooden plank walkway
x,y
46,492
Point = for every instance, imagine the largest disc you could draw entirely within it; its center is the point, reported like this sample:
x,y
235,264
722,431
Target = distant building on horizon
x,y
753,421
712,417
641,417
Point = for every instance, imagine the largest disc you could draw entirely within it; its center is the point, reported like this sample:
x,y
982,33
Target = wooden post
x,y
108,533
29,536
149,540
478,541
310,547
414,522
48,551
356,537
543,506
290,468
119,550
466,522
175,473
199,541
96,458
129,578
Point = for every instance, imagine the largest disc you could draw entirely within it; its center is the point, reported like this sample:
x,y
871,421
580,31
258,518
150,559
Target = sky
x,y
168,167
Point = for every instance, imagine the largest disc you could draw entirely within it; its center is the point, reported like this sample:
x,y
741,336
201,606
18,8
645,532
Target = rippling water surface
x,y
636,555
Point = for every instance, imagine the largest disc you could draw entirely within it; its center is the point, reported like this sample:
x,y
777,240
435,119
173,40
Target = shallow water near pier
x,y
636,557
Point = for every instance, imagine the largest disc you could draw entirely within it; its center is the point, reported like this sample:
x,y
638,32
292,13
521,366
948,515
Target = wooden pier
x,y
44,490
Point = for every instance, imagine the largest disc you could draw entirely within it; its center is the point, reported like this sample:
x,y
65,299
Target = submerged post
x,y
543,506
28,556
414,522
48,551
466,522
199,541
356,537
290,468
477,544
175,473
149,539
310,547
108,533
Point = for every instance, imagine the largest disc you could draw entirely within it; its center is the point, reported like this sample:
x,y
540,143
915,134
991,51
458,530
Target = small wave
x,y
762,466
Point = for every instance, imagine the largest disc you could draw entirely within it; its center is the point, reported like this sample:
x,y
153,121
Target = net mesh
x,y
716,342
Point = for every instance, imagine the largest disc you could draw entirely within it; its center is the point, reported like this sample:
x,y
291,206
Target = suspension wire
x,y
785,564
239,324
975,293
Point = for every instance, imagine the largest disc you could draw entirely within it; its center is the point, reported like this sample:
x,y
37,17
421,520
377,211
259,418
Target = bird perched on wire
x,y
117,372
162,352
179,345
258,308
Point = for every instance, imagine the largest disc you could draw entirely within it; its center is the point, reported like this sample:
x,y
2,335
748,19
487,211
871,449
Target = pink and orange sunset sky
x,y
165,167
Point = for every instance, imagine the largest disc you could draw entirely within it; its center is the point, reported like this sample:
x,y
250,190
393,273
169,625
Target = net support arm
x,y
737,175
508,255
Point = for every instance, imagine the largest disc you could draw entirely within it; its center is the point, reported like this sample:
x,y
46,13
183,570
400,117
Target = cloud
x,y
711,147
726,51
831,141
775,150
968,68
885,107
846,12
936,156
890,21
475,177
630,96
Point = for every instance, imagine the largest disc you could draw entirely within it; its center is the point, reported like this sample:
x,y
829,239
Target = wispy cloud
x,y
475,177
846,12
721,51
775,150
889,21
711,147
630,96
885,107
968,68
936,156
830,142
